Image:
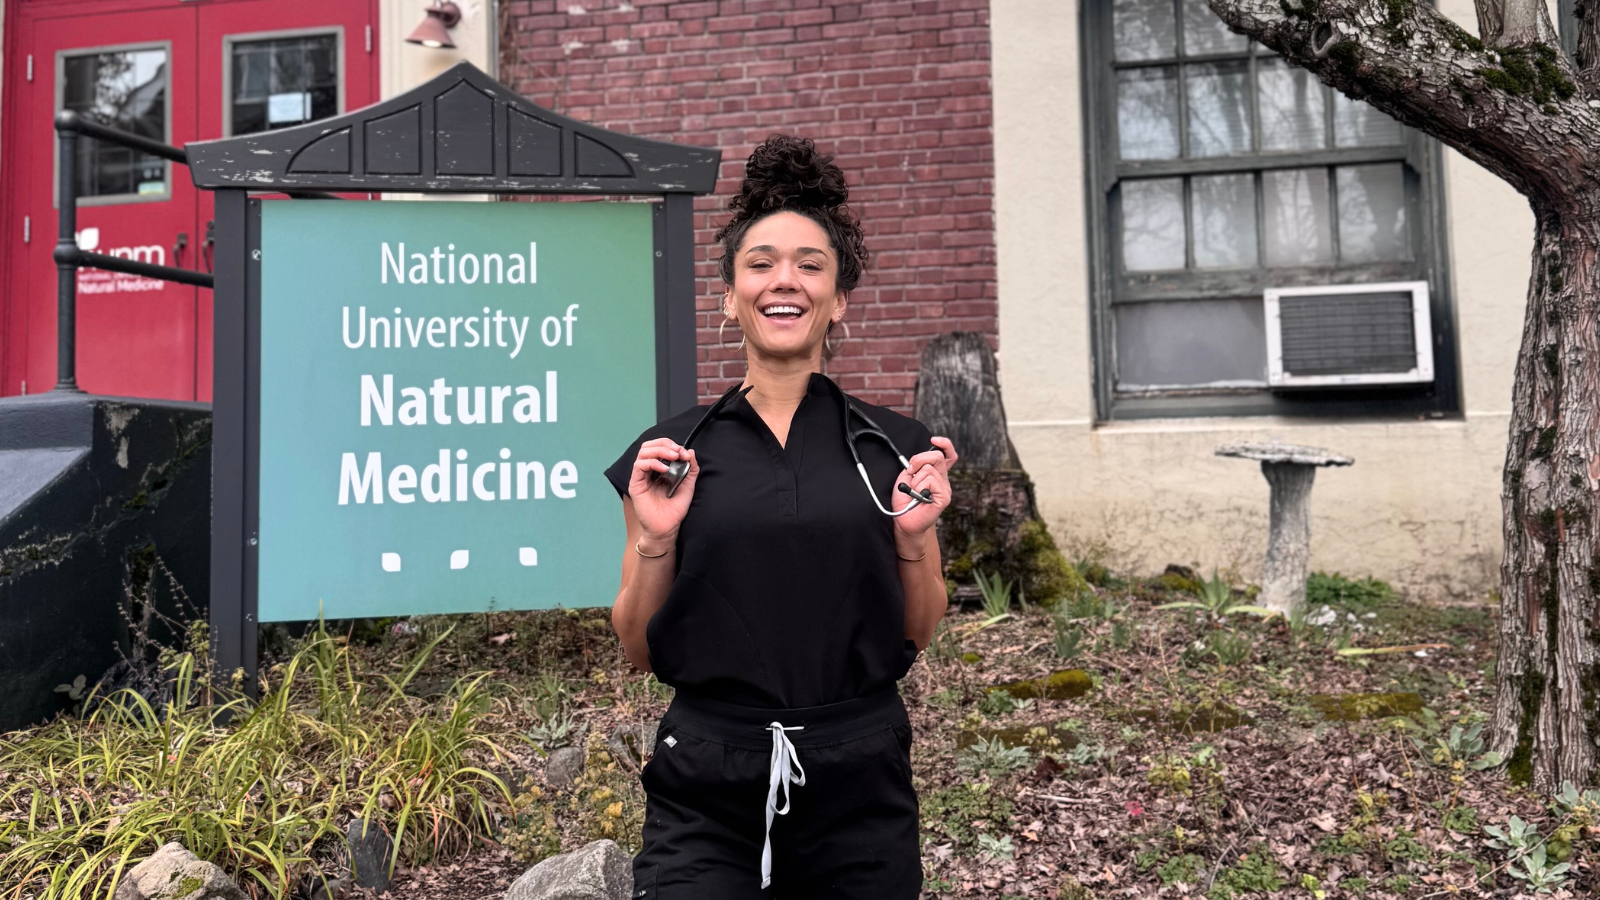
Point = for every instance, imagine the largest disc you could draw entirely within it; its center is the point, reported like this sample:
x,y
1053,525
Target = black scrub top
x,y
787,588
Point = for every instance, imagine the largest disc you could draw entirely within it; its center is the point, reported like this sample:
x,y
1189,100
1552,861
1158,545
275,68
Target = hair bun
x,y
787,172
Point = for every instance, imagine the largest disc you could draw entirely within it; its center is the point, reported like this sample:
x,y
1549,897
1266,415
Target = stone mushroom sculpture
x,y
1289,470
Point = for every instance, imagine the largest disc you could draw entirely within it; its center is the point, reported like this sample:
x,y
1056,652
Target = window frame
x,y
165,46
1427,214
229,41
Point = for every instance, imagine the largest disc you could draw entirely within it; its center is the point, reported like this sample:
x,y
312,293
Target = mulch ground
x,y
1197,762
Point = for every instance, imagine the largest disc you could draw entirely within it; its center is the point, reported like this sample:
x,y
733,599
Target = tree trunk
x,y
1547,679
958,396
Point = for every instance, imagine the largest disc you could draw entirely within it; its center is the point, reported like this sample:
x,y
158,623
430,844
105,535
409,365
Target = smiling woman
x,y
781,600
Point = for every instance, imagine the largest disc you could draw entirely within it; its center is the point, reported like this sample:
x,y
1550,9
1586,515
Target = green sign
x,y
442,386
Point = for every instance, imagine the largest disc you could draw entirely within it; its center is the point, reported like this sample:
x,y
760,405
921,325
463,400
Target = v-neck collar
x,y
786,457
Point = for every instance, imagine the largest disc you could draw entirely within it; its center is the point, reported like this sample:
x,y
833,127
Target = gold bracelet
x,y
909,559
641,552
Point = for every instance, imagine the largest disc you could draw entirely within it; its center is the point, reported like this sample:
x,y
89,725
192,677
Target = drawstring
x,y
784,770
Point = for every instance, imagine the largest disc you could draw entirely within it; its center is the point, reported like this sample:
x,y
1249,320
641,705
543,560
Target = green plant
x,y
961,812
1517,839
1583,807
556,731
944,644
1068,637
1254,873
991,756
1084,754
996,848
1340,592
1216,600
1000,703
996,592
1463,745
1185,868
1535,870
1229,648
82,798
1090,605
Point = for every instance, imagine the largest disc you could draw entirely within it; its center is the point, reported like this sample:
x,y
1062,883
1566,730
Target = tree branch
x,y
1515,110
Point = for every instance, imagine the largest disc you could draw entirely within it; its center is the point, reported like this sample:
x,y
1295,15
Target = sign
x,y
441,388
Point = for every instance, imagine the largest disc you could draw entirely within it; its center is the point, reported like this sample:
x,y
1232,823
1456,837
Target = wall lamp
x,y
435,28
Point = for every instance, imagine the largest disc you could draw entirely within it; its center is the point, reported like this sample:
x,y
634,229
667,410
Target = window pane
x,y
1219,108
1147,113
127,90
1355,124
284,82
1190,343
1152,224
1291,107
1297,226
1143,29
1372,213
1224,221
1203,32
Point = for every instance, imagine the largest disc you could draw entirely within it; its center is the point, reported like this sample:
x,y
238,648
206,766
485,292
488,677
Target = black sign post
x,y
460,133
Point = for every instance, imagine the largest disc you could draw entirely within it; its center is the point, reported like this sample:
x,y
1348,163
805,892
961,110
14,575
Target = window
x,y
279,82
1221,171
124,89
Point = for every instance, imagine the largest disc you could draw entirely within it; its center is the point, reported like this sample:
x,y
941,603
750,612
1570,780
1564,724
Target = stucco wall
x,y
404,66
1420,507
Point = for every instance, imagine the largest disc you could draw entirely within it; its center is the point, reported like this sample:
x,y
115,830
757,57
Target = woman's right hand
x,y
660,515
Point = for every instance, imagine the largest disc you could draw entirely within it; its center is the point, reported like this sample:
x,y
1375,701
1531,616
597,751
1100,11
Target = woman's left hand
x,y
930,471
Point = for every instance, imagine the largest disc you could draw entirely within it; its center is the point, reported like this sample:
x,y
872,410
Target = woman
x,y
773,589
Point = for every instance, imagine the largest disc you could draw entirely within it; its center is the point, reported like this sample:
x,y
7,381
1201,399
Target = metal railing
x,y
69,257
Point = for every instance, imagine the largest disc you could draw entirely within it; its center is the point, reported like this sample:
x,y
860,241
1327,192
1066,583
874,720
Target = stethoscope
x,y
678,469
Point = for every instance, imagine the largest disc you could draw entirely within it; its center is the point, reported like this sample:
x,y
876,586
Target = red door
x,y
176,71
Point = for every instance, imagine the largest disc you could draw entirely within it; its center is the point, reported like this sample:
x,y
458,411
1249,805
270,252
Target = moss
x,y
137,501
1546,444
1347,55
1460,38
1530,693
1359,707
1048,575
1394,20
1177,583
971,658
1554,281
1576,480
1063,685
185,887
1552,360
1529,71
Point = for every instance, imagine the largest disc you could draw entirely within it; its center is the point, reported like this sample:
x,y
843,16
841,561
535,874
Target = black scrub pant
x,y
851,830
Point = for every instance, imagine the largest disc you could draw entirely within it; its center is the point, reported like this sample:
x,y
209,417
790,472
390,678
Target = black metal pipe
x,y
87,260
65,253
69,121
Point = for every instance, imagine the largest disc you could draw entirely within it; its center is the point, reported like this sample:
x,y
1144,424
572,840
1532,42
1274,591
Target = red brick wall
x,y
899,92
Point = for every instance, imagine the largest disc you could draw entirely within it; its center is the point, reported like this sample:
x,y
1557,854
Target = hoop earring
x,y
833,350
720,341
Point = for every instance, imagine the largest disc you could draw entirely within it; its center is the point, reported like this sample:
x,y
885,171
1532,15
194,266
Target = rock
x,y
563,768
173,873
599,871
631,745
369,855
332,889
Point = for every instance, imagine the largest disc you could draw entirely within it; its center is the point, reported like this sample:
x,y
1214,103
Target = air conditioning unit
x,y
1349,334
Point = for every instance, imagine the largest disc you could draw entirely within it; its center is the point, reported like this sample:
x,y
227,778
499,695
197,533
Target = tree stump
x,y
1290,470
992,525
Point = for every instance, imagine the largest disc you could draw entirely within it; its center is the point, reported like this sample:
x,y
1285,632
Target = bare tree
x,y
1512,102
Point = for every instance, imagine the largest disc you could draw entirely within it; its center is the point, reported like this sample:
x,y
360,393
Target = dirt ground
x,y
1183,755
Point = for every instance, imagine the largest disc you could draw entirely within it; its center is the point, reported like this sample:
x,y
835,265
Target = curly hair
x,y
787,173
